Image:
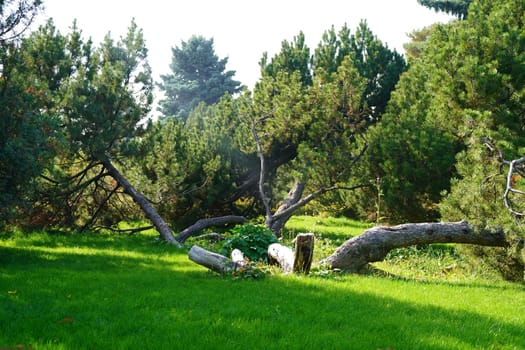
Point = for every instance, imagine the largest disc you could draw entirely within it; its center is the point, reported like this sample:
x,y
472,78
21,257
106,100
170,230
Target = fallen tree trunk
x,y
205,223
299,261
217,262
374,244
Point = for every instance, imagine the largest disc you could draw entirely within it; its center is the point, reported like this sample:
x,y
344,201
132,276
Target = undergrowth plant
x,y
251,240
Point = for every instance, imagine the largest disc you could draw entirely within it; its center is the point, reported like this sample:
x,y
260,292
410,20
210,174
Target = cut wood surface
x,y
282,255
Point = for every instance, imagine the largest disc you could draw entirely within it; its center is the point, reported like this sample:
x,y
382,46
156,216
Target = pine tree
x,y
198,75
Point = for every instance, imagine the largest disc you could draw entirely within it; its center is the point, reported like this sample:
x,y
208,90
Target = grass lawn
x,y
60,291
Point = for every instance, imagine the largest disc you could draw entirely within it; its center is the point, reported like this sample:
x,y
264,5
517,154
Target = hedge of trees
x,y
350,127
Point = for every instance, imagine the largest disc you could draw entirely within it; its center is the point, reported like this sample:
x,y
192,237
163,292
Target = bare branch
x,y
99,209
262,173
205,223
513,165
129,231
313,196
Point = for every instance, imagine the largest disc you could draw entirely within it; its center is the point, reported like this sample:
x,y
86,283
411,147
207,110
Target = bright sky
x,y
242,29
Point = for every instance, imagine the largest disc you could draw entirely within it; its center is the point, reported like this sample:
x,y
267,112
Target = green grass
x,y
133,292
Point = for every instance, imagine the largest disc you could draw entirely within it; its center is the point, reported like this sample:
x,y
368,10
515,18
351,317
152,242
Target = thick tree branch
x,y
205,223
375,243
313,196
159,223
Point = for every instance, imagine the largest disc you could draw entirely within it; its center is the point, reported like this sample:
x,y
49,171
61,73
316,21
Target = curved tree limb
x,y
205,223
159,223
375,243
509,188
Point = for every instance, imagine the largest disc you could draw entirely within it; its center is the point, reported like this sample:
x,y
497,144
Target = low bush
x,y
251,240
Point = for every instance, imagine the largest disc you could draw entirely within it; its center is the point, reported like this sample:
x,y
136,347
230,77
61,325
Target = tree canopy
x,y
458,8
27,126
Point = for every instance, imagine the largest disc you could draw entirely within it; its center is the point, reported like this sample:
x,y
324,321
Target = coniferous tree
x,y
198,75
467,78
27,128
380,66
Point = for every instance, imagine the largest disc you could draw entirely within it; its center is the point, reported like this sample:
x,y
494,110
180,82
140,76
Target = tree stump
x,y
304,252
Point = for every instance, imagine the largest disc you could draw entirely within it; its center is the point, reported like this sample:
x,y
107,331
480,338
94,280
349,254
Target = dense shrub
x,y
251,240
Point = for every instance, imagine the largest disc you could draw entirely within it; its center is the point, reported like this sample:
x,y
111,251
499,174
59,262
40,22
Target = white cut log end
x,y
283,255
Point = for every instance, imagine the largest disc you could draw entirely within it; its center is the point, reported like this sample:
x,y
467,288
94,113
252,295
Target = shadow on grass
x,y
157,299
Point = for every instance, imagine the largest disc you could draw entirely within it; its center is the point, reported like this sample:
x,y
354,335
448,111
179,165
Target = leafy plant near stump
x,y
251,240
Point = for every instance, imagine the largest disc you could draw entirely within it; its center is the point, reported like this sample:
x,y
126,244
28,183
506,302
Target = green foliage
x,y
196,166
294,57
109,94
100,96
311,127
198,75
458,8
492,77
379,66
29,135
467,80
251,240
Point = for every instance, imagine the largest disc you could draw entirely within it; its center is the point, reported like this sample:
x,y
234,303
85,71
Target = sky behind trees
x,y
242,30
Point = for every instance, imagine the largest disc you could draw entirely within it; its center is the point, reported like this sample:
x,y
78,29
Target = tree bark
x,y
217,262
375,243
205,223
150,212
304,252
276,222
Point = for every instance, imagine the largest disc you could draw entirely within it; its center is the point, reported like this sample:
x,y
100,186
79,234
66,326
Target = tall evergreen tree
x,y
198,75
